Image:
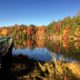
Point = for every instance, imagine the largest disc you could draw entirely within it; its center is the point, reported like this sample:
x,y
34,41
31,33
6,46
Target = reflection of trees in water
x,y
65,47
77,44
72,50
66,44
40,43
53,46
45,43
56,47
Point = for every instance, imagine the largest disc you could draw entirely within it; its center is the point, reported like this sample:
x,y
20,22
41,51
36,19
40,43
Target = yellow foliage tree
x,y
4,32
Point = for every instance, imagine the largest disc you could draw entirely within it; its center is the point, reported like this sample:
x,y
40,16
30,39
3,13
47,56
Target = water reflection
x,y
63,49
77,45
37,54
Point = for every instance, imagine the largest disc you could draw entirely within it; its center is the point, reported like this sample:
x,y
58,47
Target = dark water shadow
x,y
7,63
23,60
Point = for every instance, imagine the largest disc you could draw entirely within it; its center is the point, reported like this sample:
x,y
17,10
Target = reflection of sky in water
x,y
60,57
40,54
37,54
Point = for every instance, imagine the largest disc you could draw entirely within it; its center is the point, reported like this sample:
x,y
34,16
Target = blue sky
x,y
37,12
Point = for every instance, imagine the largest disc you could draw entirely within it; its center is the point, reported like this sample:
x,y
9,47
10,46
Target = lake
x,y
61,49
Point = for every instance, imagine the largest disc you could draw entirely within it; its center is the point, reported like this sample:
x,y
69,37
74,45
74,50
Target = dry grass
x,y
57,70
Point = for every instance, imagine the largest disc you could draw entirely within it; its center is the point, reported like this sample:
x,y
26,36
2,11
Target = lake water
x,y
42,50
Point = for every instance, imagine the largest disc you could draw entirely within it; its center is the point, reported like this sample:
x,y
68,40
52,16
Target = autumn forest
x,y
66,29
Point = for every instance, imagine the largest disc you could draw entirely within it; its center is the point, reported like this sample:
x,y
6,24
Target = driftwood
x,y
6,60
6,45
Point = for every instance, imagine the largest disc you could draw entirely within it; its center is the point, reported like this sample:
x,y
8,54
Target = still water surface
x,y
46,50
